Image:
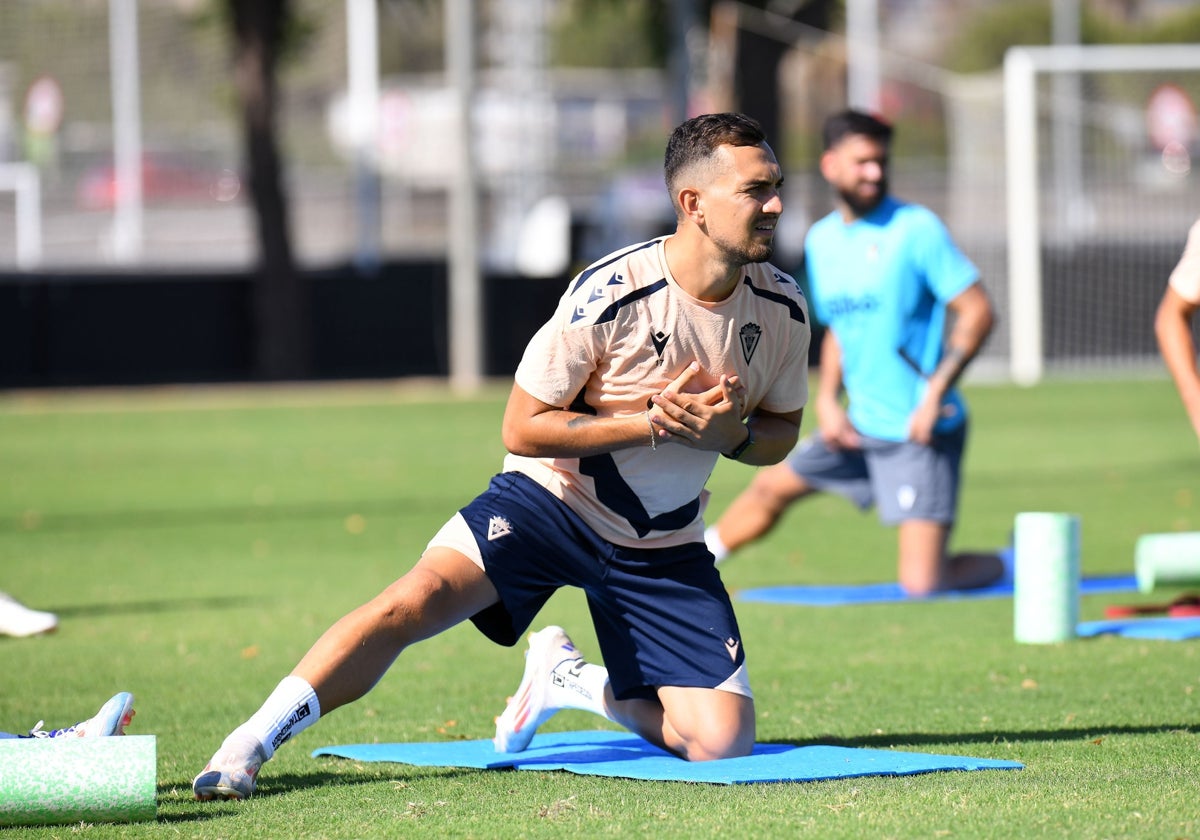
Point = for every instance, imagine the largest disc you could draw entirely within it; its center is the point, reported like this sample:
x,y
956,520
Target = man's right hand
x,y
836,429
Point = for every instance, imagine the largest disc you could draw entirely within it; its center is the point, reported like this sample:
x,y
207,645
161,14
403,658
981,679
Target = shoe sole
x,y
29,633
114,715
207,786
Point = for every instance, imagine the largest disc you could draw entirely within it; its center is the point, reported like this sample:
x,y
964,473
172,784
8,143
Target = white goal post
x,y
1022,67
23,181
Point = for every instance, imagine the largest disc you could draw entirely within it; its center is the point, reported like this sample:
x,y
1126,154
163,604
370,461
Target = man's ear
x,y
827,165
690,204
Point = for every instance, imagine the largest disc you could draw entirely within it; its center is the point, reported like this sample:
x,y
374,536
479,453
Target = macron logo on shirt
x,y
659,340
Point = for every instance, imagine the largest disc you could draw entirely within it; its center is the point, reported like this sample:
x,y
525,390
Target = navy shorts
x,y
905,480
662,616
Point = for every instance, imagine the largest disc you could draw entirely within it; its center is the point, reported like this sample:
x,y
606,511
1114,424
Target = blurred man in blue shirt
x,y
886,279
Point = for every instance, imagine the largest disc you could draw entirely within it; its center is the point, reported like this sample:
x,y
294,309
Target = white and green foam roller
x,y
1045,577
1171,559
58,781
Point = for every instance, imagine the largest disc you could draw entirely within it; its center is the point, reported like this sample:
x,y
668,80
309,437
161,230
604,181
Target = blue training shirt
x,y
881,283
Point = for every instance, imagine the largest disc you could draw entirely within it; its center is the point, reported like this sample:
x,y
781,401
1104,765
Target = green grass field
x,y
194,543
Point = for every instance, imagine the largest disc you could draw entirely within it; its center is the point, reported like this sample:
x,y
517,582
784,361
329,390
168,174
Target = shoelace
x,y
38,732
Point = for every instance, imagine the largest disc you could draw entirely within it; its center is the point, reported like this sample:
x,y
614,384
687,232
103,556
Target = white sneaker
x,y
533,703
111,720
16,619
233,771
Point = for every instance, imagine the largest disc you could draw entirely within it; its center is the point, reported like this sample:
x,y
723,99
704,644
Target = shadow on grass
x,y
46,522
282,784
175,796
164,605
908,739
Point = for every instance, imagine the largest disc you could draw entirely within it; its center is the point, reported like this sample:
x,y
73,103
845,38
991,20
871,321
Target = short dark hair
x,y
845,123
697,139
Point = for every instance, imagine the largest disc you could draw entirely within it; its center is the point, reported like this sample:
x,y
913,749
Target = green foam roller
x,y
1167,559
58,781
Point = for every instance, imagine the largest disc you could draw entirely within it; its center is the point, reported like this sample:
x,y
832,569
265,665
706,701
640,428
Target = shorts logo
x,y
732,645
749,335
498,527
906,496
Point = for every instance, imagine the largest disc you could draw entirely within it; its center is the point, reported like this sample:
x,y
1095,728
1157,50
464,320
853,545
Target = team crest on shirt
x,y
498,527
748,336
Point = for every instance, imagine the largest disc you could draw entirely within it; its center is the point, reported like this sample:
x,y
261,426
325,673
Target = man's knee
x,y
919,583
712,746
722,727
922,556
431,598
774,488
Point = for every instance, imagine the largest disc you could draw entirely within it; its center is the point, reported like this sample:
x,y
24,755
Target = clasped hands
x,y
710,420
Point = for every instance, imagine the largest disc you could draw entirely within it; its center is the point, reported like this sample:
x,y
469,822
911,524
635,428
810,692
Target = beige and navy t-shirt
x,y
621,333
1185,279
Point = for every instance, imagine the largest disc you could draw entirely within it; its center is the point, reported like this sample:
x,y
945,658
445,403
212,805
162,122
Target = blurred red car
x,y
164,180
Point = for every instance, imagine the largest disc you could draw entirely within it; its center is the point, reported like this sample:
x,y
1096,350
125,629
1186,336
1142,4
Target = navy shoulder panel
x,y
613,308
794,310
587,273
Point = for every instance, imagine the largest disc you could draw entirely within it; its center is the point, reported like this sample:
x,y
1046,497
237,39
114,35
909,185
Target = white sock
x,y
580,685
713,540
291,708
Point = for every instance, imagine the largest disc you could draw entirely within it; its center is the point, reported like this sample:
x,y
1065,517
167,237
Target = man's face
x,y
857,169
742,203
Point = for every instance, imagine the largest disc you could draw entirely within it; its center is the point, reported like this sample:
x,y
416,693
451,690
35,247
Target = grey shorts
x,y
904,480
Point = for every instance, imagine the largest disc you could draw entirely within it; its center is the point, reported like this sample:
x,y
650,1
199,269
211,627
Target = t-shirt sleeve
x,y
1185,279
948,271
789,391
560,358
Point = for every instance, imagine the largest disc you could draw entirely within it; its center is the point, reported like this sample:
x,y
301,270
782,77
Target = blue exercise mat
x,y
884,593
1159,627
623,755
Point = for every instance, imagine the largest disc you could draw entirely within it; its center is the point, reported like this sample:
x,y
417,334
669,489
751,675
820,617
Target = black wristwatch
x,y
741,448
